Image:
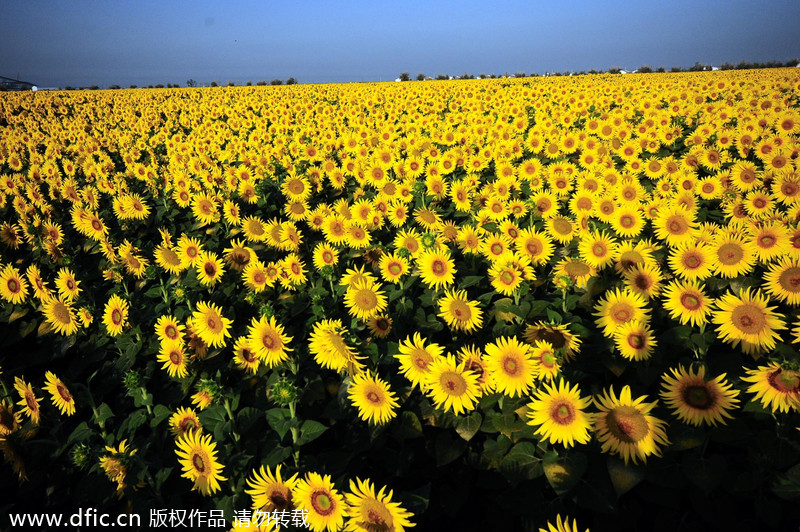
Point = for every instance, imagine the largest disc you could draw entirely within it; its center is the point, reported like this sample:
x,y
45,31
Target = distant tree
x,y
159,86
743,65
133,87
420,77
676,69
230,84
467,75
261,83
405,76
726,66
519,74
442,76
69,88
593,71
482,76
94,88
114,87
614,70
214,84
697,67
661,69
291,81
645,69
191,83
581,73
276,82
149,86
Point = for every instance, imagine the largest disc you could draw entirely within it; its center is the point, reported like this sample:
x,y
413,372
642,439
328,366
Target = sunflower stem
x,y
295,435
143,391
234,432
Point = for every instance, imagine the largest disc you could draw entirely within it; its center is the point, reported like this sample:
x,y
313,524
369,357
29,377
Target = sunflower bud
x,y
81,455
132,380
266,310
282,392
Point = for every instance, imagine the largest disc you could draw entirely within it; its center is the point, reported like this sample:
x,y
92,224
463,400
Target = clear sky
x,y
83,42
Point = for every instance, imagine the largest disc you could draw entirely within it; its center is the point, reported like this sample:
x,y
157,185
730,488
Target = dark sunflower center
x,y
627,424
198,463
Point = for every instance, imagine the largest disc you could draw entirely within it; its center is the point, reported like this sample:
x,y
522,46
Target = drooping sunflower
x,y
776,387
326,507
749,320
60,315
619,307
115,315
625,426
576,272
511,368
687,302
558,336
59,394
270,492
267,340
210,325
373,398
459,312
416,358
13,288
370,512
328,345
436,268
696,400
198,457
28,400
783,281
184,421
364,299
559,413
450,385
634,340
115,464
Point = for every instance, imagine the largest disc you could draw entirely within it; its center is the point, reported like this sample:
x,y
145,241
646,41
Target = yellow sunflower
x,y
783,281
330,349
436,268
634,340
416,358
450,385
370,512
197,456
559,413
184,421
115,315
210,325
749,320
270,492
459,312
511,368
326,507
373,398
173,358
13,288
60,315
619,307
364,299
697,401
28,400
625,426
562,526
777,388
59,394
268,341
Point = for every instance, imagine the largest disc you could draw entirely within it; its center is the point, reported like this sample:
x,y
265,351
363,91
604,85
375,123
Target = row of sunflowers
x,y
579,293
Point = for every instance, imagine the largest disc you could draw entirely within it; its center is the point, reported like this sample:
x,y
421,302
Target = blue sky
x,y
82,42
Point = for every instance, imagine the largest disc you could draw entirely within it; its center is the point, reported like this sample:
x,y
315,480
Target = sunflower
x,y
450,385
511,368
687,302
748,319
364,299
115,315
559,414
189,250
13,288
326,507
692,261
184,421
697,401
60,315
59,394
459,312
644,279
256,276
168,328
40,289
270,492
67,286
436,268
416,358
618,308
379,326
634,340
537,246
370,512
210,325
545,359
197,456
776,387
561,228
558,336
244,357
209,268
393,267
504,277
172,356
324,255
28,400
625,427
115,464
168,259
675,225
373,398
597,249
732,255
562,526
783,281
268,341
770,241
328,345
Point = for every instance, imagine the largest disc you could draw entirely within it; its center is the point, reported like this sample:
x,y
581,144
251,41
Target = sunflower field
x,y
544,303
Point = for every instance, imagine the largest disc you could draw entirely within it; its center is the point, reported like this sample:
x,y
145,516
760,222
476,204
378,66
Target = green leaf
x,y
623,477
310,430
705,473
280,420
448,449
787,486
81,432
521,463
495,450
103,413
470,280
554,316
407,427
564,473
136,419
468,426
160,413
161,476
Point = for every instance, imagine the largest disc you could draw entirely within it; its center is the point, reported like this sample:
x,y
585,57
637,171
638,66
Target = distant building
x,y
11,84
